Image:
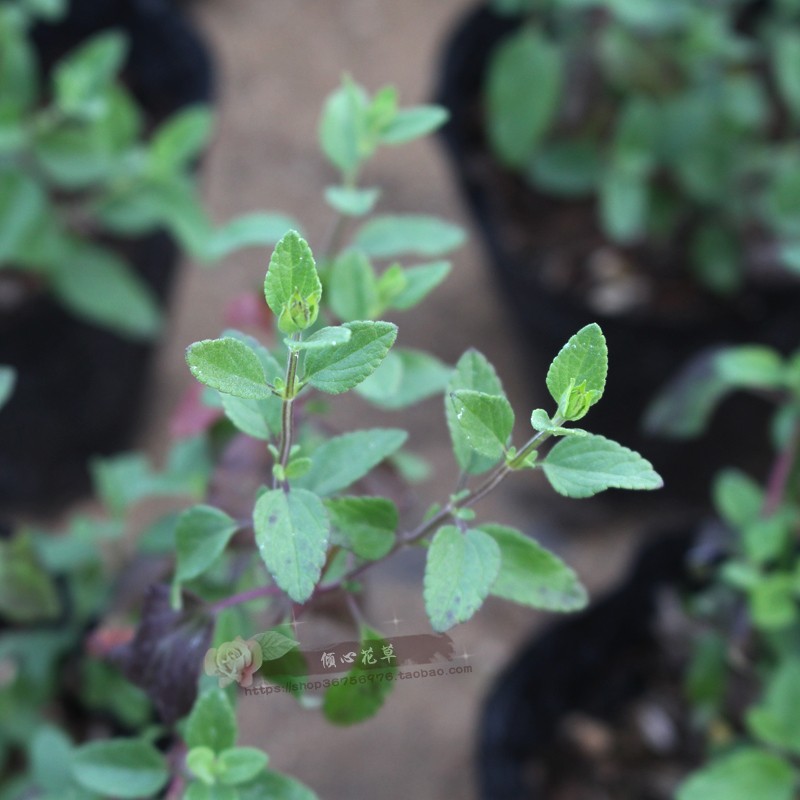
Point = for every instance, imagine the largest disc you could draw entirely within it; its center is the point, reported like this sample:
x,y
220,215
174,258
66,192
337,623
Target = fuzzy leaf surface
x,y
337,369
583,466
472,372
459,573
399,235
292,531
583,360
229,366
341,461
746,774
124,768
532,575
486,421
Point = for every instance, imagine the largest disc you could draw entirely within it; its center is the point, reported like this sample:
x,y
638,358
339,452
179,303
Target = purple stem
x,y
244,597
780,473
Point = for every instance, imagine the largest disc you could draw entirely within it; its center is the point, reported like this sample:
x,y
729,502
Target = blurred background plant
x,y
679,118
744,672
98,197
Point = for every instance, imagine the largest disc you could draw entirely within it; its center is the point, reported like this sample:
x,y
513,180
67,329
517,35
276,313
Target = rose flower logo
x,y
234,661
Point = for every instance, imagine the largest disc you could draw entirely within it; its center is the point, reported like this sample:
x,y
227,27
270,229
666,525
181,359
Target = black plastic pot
x,y
593,663
80,388
645,349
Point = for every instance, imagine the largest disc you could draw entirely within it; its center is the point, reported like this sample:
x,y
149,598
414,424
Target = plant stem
x,y
244,597
448,511
287,412
780,473
334,238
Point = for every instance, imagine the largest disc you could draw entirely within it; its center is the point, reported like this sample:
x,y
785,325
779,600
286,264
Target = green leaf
x,y
772,602
292,531
19,75
249,230
50,10
80,77
390,284
751,366
342,128
260,419
584,466
419,282
97,286
523,88
684,406
774,720
716,257
568,168
201,762
274,644
343,460
126,479
229,366
746,774
8,379
214,791
636,138
533,576
486,421
275,786
50,757
257,418
291,669
459,573
472,372
22,202
352,288
580,367
292,286
106,690
790,255
392,236
785,52
212,722
624,201
351,202
413,123
297,467
705,681
765,539
180,139
340,369
405,377
381,111
362,692
365,525
323,339
120,768
781,201
737,497
240,764
201,536
27,592
77,155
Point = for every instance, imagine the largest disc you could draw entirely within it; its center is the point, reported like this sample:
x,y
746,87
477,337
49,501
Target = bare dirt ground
x,y
277,60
